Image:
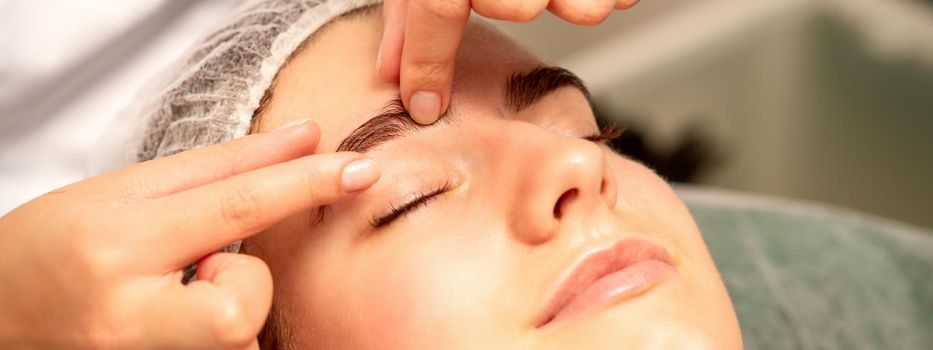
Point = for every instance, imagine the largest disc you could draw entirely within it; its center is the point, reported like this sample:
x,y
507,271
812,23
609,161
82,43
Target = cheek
x,y
642,190
428,288
399,300
650,203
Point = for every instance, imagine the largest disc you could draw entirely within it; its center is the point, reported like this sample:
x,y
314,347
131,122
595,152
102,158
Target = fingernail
x,y
359,175
292,124
425,106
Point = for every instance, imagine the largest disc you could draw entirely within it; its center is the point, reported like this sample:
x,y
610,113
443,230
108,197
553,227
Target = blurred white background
x,y
68,67
826,100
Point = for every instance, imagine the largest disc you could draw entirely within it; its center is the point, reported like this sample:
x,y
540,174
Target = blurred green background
x,y
829,101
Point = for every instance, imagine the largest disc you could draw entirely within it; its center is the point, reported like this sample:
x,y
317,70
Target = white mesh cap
x,y
211,96
212,93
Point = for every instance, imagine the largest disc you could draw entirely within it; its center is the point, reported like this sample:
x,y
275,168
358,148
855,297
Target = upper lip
x,y
596,263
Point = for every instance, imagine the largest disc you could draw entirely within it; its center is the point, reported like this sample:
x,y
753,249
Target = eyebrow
x,y
391,122
525,89
521,91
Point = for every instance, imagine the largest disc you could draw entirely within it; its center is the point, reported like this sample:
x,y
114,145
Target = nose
x,y
565,180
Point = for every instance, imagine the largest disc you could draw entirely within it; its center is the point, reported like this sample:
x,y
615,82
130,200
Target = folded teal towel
x,y
804,276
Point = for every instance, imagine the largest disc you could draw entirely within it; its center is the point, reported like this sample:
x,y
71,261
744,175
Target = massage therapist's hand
x,y
421,37
98,264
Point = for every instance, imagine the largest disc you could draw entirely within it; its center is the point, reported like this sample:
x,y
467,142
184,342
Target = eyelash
x,y
604,135
420,200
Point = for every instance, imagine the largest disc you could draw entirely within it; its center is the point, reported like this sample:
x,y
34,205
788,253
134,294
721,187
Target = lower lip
x,y
614,287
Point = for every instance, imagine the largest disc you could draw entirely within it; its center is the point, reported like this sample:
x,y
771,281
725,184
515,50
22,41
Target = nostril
x,y
565,198
602,186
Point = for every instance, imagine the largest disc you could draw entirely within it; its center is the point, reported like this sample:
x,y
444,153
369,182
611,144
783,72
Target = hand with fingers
x,y
98,264
421,37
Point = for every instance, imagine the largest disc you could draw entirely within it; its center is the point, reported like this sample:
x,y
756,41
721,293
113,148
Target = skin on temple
x,y
473,267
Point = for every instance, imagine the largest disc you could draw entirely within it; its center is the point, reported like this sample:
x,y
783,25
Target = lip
x,y
606,275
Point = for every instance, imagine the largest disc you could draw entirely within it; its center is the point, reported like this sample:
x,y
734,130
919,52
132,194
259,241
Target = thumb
x,y
225,307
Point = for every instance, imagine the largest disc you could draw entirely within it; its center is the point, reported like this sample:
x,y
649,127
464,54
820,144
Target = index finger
x,y
198,221
432,36
196,167
389,57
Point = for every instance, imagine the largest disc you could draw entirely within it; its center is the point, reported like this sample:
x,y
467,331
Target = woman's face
x,y
518,198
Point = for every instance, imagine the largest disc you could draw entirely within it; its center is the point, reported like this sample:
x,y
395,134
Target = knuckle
x,y
231,327
134,188
235,152
106,329
231,152
521,11
88,256
96,266
429,73
239,208
447,9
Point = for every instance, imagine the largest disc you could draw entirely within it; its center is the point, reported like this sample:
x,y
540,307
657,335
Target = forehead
x,y
334,82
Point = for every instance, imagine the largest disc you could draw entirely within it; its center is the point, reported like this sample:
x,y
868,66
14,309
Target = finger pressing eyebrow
x,y
392,122
522,90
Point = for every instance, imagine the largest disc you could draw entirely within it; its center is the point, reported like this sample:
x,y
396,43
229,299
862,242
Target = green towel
x,y
804,276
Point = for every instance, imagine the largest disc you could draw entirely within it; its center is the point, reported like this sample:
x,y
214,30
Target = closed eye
x,y
605,135
417,202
